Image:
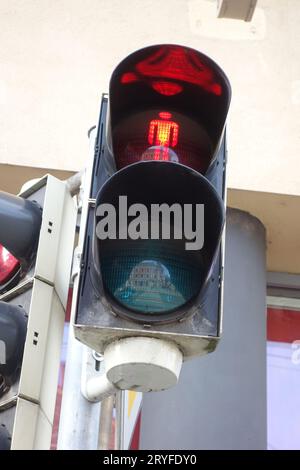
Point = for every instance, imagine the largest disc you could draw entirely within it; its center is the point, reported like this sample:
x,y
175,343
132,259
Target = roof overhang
x,y
280,214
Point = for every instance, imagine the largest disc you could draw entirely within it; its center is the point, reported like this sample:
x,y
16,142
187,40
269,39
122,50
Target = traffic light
x,y
151,270
37,231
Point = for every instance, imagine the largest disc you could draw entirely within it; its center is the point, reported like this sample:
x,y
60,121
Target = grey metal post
x,y
79,419
105,424
220,401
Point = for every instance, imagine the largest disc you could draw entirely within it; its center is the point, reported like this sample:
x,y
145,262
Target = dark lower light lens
x,y
151,277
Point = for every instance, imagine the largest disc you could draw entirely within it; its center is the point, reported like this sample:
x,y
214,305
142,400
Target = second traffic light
x,y
36,250
151,263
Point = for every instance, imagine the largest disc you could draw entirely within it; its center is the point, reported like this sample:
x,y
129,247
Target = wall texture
x,y
57,55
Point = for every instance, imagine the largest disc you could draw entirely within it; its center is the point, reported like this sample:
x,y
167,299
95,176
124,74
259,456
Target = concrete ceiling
x,y
280,214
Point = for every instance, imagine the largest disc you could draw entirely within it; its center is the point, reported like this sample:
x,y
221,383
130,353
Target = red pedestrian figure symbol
x,y
163,133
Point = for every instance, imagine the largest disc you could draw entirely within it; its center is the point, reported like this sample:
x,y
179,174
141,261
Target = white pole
x,y
79,419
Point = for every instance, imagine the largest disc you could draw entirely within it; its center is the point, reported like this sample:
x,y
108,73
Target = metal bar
x,y
119,433
105,424
79,419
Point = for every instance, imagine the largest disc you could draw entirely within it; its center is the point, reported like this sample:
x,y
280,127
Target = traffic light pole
x,y
79,419
105,424
119,432
88,427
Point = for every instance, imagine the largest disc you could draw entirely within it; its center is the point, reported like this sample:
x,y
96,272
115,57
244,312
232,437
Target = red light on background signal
x,y
8,265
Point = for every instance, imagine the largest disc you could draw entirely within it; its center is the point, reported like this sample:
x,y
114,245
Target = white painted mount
x,y
142,364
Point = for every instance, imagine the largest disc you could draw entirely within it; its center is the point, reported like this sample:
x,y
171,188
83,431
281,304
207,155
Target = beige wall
x,y
56,57
13,177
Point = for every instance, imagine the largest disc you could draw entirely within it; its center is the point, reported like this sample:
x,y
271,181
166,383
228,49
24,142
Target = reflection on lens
x,y
149,288
160,153
150,284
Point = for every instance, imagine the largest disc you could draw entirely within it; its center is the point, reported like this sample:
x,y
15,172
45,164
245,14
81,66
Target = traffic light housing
x,y
160,151
37,238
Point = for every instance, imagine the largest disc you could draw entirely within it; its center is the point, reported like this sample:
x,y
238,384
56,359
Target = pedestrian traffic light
x,y
37,231
152,257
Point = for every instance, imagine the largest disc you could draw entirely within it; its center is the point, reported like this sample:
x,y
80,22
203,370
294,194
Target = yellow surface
x,y
131,398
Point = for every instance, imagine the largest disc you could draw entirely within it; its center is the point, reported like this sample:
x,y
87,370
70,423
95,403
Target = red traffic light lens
x,y
162,135
9,265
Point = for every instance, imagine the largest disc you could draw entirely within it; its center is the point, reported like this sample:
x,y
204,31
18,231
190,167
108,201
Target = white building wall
x,y
56,57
